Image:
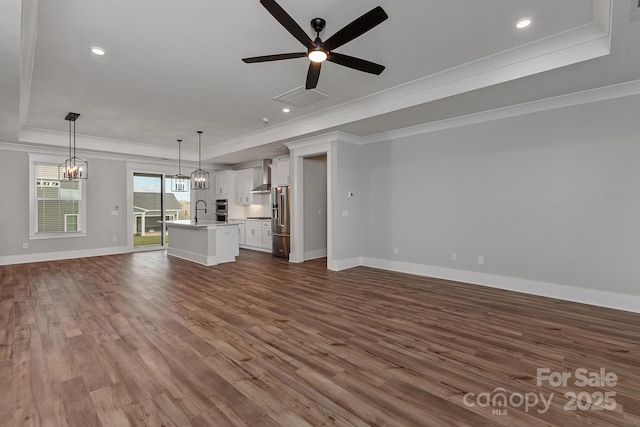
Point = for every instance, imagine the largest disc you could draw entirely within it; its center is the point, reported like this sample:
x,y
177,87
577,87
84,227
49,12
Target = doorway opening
x,y
314,170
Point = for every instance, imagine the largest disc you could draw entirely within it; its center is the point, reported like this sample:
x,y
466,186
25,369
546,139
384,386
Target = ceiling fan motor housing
x,y
318,24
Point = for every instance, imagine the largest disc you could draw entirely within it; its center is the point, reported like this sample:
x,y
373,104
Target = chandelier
x,y
199,177
73,168
179,182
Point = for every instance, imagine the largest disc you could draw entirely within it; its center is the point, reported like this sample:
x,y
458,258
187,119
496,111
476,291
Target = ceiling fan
x,y
319,51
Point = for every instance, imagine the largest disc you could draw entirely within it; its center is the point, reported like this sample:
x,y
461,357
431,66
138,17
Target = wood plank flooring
x,y
147,340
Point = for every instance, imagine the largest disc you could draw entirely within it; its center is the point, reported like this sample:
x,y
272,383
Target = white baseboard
x,y
193,257
318,253
54,256
343,264
563,292
255,248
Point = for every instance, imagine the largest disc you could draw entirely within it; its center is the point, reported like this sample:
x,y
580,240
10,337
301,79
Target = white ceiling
x,y
172,68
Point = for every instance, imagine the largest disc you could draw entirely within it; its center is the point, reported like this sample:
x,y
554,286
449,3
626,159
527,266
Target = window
x,y
70,222
57,208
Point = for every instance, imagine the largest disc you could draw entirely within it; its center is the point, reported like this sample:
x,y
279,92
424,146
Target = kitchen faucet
x,y
197,209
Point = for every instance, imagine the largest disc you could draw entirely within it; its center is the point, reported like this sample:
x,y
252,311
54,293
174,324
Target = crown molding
x,y
585,97
64,152
95,144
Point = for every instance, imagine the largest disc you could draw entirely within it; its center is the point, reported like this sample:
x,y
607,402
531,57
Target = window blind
x,y
56,201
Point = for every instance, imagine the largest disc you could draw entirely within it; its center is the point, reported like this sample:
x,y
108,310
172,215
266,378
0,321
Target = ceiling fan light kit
x,y
317,55
319,51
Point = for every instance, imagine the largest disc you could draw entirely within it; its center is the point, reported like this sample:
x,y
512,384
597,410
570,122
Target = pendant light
x,y
179,182
73,169
199,177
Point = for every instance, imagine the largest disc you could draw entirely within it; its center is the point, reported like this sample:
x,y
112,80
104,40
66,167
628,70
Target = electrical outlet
x,y
395,250
25,245
345,212
480,259
115,238
454,256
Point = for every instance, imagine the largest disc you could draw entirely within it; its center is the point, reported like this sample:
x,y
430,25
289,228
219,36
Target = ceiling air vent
x,y
301,97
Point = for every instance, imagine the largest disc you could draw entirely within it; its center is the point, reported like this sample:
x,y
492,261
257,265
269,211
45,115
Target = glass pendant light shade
x,y
199,177
179,182
73,168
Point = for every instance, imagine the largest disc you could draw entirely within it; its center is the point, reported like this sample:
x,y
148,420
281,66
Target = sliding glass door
x,y
148,211
154,202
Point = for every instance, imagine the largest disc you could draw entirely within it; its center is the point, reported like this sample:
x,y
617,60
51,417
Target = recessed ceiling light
x,y
523,23
286,110
97,50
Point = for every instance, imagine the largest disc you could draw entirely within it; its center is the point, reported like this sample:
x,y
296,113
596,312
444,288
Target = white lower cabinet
x,y
267,241
253,233
241,238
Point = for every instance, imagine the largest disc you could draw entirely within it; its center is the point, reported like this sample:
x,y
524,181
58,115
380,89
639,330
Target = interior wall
x,y
106,189
349,208
551,197
315,206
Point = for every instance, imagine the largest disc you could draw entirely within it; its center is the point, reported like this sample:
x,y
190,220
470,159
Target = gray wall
x,y
106,188
348,232
315,204
551,196
14,214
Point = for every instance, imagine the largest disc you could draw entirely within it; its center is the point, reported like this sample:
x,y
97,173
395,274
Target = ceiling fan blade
x,y
278,57
313,75
356,28
355,63
287,22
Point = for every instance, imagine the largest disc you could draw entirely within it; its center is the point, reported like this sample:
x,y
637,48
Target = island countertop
x,y
188,223
205,242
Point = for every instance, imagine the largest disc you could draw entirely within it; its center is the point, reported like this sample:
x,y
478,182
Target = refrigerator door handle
x,y
281,217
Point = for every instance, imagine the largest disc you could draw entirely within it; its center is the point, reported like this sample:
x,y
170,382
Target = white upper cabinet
x,y
280,173
222,183
245,182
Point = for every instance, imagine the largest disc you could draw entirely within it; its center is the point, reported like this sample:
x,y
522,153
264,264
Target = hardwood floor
x,y
143,339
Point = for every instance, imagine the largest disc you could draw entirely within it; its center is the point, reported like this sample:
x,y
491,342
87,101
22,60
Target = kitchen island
x,y
205,242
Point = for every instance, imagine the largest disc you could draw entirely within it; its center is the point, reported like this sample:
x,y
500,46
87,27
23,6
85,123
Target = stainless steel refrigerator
x,y
280,221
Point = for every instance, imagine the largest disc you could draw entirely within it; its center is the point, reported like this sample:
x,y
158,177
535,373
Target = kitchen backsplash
x,y
262,209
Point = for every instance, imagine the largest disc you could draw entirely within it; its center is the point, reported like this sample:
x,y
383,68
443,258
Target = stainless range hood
x,y
265,187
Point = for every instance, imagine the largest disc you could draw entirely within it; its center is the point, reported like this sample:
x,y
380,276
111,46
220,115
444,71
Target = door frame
x,y
144,168
323,144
